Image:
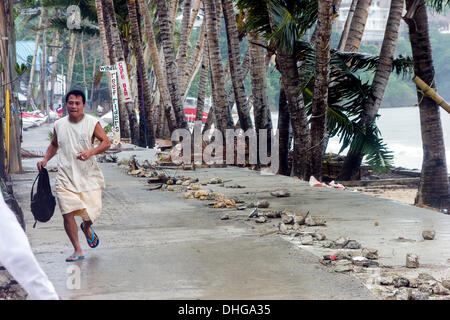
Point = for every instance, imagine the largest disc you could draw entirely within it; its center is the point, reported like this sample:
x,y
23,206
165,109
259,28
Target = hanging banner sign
x,y
115,109
124,83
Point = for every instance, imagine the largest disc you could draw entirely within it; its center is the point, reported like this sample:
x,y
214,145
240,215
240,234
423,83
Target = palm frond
x,y
438,5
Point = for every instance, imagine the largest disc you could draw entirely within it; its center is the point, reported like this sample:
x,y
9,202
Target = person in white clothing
x,y
79,181
16,256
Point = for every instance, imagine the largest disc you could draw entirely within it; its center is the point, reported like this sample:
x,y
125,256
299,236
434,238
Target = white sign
x,y
115,110
107,68
124,83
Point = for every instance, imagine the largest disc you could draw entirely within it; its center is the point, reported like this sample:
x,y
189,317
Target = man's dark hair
x,y
76,93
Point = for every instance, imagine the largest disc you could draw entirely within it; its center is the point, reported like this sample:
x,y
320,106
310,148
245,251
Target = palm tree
x,y
171,68
321,78
434,185
237,77
357,26
202,84
218,75
147,135
372,103
184,38
166,108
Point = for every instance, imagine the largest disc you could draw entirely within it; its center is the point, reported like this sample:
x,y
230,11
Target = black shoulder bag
x,y
43,202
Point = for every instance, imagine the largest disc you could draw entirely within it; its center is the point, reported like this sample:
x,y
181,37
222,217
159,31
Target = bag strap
x,y
32,187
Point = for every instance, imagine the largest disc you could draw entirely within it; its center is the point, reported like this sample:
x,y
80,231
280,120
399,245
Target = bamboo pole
x,y
431,93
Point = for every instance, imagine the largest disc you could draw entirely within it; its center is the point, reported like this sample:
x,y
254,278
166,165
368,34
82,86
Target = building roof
x,y
25,49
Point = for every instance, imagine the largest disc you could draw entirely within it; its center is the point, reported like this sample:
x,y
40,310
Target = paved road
x,y
156,245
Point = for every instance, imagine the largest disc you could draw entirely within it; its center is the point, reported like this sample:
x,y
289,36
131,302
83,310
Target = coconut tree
x,y
184,38
372,103
236,71
202,84
147,135
321,78
218,75
357,26
161,79
434,185
171,68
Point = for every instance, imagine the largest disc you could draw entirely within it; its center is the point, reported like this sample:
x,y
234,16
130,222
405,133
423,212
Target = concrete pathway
x,y
157,245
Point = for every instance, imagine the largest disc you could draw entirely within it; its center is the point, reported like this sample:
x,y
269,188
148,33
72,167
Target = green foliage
x,y
20,69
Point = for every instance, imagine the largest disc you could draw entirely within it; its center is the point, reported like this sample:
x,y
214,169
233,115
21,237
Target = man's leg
x,y
88,231
72,232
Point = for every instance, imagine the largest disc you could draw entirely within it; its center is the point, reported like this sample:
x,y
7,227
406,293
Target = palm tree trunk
x,y
128,124
218,75
234,56
72,55
53,76
357,26
33,63
160,78
202,85
184,39
353,159
261,109
287,66
189,72
283,129
434,185
321,77
172,15
347,25
148,140
171,67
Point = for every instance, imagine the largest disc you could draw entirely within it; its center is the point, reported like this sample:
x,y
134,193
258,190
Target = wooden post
x,y
431,93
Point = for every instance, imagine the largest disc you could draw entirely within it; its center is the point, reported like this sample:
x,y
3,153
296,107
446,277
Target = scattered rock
x,y
225,217
188,195
314,221
287,219
272,214
426,277
169,182
170,188
201,193
412,260
414,283
400,282
364,262
325,262
426,288
204,183
327,244
216,180
341,242
263,204
306,240
194,187
343,266
280,193
352,244
299,218
230,203
428,234
320,236
241,208
219,205
369,253
179,182
419,295
446,283
283,228
219,197
261,219
440,290
403,294
386,281
251,205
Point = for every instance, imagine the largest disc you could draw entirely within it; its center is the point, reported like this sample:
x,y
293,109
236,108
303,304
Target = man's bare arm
x,y
104,145
50,153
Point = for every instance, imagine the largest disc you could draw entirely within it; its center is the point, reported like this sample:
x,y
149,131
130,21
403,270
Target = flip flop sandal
x,y
74,257
91,241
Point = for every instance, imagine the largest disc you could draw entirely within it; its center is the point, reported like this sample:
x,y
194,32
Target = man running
x,y
79,181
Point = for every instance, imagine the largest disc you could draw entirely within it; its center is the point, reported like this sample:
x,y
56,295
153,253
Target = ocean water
x,y
400,129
